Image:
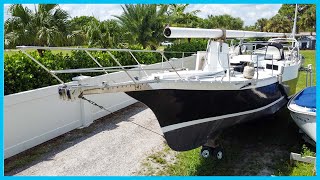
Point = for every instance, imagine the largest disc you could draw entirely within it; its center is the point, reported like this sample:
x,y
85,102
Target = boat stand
x,y
306,159
307,139
298,157
308,71
212,149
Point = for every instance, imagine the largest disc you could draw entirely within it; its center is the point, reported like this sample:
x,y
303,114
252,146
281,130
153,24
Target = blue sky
x,y
249,13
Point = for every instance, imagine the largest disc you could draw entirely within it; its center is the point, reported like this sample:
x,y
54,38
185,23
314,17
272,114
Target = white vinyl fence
x,y
33,117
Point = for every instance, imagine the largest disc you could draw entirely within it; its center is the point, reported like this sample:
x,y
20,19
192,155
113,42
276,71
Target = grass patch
x,y
190,163
155,163
298,168
310,58
11,52
158,158
303,169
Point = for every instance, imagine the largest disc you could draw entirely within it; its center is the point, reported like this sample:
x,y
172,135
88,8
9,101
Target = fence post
x,y
86,116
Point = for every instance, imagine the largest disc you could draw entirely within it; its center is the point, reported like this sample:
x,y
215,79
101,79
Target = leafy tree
x,y
144,23
308,19
19,29
288,10
223,21
178,17
105,34
279,23
306,15
250,28
261,24
51,24
77,38
47,26
79,23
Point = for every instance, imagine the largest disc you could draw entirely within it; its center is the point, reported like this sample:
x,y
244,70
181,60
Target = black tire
x,y
218,153
206,152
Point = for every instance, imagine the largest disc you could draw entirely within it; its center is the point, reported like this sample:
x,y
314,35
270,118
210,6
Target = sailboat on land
x,y
193,105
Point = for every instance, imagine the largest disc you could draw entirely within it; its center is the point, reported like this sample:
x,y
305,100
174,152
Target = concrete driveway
x,y
115,146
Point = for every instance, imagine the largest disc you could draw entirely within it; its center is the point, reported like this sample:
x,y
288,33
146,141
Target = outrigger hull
x,y
189,118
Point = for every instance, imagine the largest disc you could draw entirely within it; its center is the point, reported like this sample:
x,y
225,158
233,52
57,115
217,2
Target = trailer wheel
x,y
218,153
206,152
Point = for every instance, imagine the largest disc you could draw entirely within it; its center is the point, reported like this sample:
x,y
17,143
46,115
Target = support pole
x,y
121,66
138,63
95,60
170,64
33,59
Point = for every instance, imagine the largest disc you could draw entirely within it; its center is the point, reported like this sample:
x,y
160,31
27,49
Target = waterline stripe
x,y
199,121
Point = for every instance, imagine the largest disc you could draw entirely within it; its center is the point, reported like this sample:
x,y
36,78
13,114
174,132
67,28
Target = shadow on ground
x,y
47,150
260,147
257,148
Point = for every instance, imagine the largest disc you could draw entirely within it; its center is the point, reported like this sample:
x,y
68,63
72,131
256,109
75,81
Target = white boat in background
x,y
303,111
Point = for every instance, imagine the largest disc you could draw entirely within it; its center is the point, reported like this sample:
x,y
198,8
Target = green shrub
x,y
193,46
22,74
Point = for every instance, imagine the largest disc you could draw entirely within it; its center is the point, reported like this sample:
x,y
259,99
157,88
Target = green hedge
x,y
22,74
193,46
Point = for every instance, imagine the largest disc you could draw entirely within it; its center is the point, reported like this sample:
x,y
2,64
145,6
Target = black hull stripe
x,y
173,106
199,121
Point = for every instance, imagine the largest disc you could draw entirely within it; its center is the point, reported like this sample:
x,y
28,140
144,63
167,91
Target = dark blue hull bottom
x,y
189,118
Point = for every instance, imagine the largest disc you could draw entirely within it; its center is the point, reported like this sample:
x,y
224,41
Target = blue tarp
x,y
307,98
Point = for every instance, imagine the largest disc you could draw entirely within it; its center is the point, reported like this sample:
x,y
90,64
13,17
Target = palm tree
x,y
279,23
144,23
51,23
104,34
45,27
19,29
261,24
77,28
178,16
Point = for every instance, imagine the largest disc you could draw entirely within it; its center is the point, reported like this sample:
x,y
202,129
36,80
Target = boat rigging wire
x,y
113,113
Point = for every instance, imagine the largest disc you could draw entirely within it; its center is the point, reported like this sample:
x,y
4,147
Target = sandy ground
x,y
116,147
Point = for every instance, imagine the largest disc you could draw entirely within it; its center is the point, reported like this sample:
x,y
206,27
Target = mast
x,y
294,23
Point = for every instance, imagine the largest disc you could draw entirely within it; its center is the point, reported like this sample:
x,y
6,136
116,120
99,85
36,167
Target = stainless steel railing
x,y
120,67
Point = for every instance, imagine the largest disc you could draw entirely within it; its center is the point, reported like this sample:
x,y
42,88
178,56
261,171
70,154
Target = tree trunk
x,y
41,51
153,47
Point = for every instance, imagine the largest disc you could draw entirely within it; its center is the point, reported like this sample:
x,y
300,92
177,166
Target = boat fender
x,y
248,72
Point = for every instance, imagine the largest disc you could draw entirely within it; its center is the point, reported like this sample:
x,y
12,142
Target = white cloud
x,y
249,13
100,11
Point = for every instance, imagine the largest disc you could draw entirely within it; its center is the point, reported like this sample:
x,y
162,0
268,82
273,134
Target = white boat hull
x,y
307,123
304,117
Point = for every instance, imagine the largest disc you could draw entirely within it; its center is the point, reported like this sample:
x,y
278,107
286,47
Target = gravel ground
x,y
115,147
